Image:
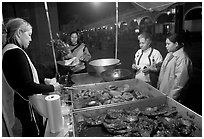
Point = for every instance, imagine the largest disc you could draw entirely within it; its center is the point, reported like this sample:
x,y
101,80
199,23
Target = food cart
x,y
78,114
89,121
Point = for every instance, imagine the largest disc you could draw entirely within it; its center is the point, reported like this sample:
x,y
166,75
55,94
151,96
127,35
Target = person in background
x,y
20,75
80,51
176,68
147,60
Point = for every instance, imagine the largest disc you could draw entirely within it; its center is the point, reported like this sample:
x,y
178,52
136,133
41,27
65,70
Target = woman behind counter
x,y
22,77
176,68
79,50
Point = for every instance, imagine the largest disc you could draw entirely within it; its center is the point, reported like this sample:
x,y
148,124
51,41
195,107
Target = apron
x,y
7,101
37,100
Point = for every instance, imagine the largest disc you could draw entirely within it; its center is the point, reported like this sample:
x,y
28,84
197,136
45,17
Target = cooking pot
x,y
116,74
101,65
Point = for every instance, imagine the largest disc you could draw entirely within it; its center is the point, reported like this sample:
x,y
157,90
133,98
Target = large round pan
x,y
101,65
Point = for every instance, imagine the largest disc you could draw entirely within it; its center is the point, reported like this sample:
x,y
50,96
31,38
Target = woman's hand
x,y
151,68
68,56
145,69
50,81
84,57
57,87
135,67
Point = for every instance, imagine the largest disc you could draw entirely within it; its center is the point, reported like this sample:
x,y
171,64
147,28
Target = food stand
x,y
86,81
78,114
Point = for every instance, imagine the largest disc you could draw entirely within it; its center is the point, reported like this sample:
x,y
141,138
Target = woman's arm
x,y
18,73
156,62
181,77
86,55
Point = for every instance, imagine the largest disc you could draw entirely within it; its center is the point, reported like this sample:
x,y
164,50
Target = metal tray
x,y
137,84
96,131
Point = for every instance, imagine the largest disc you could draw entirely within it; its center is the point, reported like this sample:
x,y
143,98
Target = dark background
x,y
89,11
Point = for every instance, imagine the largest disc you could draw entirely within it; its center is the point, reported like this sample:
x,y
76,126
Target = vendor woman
x,y
147,60
21,79
79,50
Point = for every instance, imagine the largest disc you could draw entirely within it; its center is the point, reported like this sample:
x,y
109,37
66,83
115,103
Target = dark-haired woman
x,y
79,50
176,68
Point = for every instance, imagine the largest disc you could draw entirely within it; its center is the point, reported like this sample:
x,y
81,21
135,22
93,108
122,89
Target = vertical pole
x,y
179,19
116,33
52,43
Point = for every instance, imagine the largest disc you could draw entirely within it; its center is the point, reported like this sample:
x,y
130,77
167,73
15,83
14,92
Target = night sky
x,y
89,11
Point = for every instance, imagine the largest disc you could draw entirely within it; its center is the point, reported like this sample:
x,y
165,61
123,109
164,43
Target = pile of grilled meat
x,y
109,95
161,121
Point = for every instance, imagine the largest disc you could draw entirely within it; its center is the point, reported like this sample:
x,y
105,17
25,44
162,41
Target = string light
x,y
136,30
168,13
172,11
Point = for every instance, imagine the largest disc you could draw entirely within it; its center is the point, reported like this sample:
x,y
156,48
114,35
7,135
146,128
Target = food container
x,y
116,74
135,84
99,131
101,65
